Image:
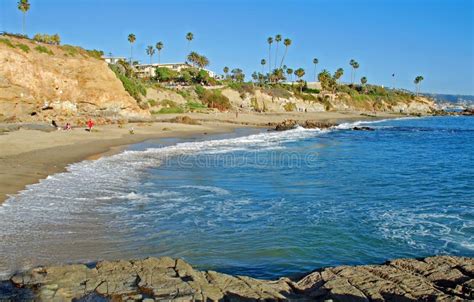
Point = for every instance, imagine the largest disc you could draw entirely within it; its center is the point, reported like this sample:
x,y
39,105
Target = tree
x,y
328,82
277,40
417,82
197,59
24,6
226,71
338,74
131,39
150,51
300,73
189,37
269,41
287,43
363,81
315,62
238,75
289,72
354,66
159,46
263,62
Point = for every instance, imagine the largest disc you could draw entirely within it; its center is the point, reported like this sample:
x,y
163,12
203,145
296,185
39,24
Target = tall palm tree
x,y
23,6
189,37
131,39
363,80
226,71
150,51
353,63
315,62
417,82
263,62
277,40
287,43
270,41
300,73
159,46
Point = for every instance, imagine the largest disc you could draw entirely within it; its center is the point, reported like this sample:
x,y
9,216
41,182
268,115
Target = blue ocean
x,y
256,202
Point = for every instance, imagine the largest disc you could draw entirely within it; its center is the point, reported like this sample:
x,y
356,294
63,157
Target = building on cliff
x,y
148,70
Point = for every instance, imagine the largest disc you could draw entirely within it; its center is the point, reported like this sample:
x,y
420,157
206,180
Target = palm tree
x,y
355,66
189,37
150,51
300,73
338,74
417,82
193,57
287,43
23,6
277,40
315,62
289,72
363,81
263,62
131,39
270,41
202,61
226,71
159,46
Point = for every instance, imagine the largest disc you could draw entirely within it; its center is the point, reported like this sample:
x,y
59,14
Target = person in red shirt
x,y
90,124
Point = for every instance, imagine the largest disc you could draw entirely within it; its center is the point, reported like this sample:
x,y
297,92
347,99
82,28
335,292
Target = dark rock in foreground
x,y
441,278
291,124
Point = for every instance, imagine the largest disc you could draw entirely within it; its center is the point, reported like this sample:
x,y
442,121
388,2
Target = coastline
x,y
27,156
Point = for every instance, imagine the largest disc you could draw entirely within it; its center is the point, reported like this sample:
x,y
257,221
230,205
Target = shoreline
x,y
32,155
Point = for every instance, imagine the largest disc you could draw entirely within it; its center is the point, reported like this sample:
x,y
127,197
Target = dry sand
x,y
26,156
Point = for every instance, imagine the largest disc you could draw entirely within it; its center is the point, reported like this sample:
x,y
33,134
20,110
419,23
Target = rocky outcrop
x,y
441,278
44,82
291,124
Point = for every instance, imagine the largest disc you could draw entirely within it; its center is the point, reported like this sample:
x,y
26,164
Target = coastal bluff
x,y
42,82
439,278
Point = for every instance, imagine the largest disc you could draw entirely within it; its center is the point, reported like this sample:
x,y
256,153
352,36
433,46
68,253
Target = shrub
x,y
151,102
195,105
213,98
305,96
70,50
164,74
290,107
133,86
48,39
7,42
94,53
254,104
43,49
242,88
23,47
170,110
168,103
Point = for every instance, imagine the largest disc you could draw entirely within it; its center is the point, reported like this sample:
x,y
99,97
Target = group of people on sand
x,y
90,123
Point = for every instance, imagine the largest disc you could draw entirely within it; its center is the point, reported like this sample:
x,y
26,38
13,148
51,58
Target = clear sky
x,y
433,38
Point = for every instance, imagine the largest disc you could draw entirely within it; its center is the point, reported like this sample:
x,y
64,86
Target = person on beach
x,y
68,126
55,125
90,124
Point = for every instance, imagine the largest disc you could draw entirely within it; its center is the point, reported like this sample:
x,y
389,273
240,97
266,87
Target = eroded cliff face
x,y
40,82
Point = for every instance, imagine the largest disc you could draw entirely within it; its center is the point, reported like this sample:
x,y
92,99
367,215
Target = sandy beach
x,y
26,156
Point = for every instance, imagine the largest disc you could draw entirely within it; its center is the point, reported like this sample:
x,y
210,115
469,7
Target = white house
x,y
112,60
148,70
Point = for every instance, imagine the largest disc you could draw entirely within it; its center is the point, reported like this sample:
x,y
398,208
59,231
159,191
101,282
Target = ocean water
x,y
264,204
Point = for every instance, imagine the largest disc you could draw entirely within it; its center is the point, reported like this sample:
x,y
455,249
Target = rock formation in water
x,y
441,278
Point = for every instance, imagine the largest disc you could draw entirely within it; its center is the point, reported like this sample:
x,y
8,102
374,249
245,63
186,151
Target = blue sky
x,y
432,38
